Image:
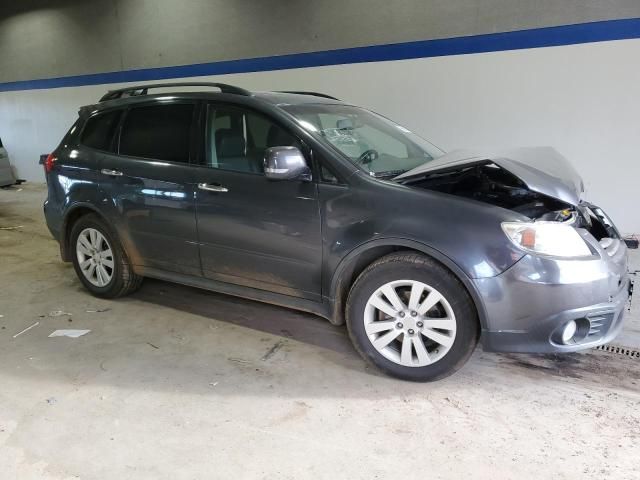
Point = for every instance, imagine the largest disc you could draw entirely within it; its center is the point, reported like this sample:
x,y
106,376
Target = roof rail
x,y
315,94
137,90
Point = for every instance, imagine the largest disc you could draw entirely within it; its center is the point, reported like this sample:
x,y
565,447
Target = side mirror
x,y
285,163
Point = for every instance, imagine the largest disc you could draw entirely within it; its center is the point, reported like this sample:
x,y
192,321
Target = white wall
x,y
582,99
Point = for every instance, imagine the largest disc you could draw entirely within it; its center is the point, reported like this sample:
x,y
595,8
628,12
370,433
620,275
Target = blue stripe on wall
x,y
492,42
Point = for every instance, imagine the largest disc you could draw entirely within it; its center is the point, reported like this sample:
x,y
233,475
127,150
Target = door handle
x,y
212,188
113,173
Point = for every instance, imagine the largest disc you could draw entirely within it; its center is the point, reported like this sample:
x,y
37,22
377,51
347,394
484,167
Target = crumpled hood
x,y
542,169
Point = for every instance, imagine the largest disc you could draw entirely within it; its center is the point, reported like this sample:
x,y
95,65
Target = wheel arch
x,y
72,215
360,257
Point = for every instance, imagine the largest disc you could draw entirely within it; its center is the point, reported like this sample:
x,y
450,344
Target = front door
x,y
254,231
151,186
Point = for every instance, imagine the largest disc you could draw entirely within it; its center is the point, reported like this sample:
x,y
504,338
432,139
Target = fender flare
x,y
349,260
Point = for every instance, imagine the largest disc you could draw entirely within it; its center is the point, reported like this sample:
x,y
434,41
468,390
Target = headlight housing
x,y
547,238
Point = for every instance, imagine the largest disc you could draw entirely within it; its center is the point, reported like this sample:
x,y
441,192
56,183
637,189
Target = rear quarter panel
x,y
72,183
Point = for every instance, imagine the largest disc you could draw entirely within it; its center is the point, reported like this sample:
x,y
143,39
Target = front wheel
x,y
412,318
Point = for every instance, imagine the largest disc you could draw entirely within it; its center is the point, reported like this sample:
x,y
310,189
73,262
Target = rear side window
x,y
99,130
161,132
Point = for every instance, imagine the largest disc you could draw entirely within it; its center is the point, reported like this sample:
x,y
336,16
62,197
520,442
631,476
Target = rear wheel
x,y
412,318
99,260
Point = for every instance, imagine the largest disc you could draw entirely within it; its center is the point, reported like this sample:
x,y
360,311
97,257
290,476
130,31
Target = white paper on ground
x,y
69,333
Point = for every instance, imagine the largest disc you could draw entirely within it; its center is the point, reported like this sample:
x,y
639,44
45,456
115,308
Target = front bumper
x,y
528,305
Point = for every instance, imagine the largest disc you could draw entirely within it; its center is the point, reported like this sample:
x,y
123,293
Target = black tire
x,y
123,280
413,266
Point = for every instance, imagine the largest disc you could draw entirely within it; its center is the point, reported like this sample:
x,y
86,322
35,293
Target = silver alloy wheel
x,y
410,323
95,257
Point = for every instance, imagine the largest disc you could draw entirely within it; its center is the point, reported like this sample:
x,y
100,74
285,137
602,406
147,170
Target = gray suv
x,y
301,200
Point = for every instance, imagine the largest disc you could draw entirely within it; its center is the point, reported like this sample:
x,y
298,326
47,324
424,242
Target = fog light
x,y
569,331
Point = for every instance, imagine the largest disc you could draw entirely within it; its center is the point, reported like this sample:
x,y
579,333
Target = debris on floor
x,y
152,345
26,329
241,361
51,400
12,228
98,310
272,351
69,333
59,313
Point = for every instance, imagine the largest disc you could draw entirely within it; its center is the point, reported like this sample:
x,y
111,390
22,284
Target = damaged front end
x,y
537,183
570,289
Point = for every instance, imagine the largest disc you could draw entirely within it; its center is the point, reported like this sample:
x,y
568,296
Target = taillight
x,y
49,163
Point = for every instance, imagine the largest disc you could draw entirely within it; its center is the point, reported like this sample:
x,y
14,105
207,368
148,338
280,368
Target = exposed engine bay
x,y
487,182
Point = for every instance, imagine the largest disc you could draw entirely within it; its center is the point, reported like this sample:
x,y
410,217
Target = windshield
x,y
374,143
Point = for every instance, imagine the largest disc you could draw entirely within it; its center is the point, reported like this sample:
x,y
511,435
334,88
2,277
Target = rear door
x,y
254,231
150,187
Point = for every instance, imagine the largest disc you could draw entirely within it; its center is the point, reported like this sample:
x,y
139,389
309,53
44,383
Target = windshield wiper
x,y
388,174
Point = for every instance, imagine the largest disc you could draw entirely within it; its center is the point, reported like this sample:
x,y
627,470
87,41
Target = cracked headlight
x,y
547,238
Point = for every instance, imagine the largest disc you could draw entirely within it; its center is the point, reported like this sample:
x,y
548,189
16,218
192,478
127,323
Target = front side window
x,y
237,139
99,130
372,142
159,132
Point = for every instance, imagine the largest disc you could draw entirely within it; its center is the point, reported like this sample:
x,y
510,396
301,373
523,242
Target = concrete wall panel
x,y
42,39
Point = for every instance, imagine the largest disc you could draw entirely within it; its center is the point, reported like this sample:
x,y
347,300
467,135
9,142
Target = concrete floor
x,y
176,383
